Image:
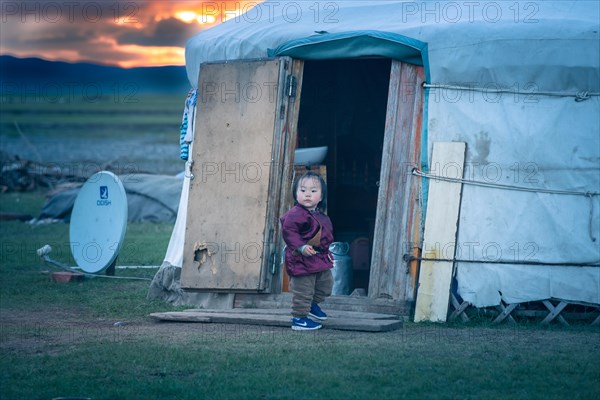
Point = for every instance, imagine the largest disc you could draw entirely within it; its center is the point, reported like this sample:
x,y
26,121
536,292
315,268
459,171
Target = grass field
x,y
102,115
93,339
140,134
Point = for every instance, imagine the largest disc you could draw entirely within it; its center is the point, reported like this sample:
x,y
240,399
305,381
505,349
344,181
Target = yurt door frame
x,y
246,132
398,227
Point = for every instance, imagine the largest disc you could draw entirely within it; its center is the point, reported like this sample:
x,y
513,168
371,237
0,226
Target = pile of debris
x,y
19,175
150,197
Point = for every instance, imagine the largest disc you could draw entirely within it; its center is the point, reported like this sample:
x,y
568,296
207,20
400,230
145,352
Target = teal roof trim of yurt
x,y
356,44
363,43
328,46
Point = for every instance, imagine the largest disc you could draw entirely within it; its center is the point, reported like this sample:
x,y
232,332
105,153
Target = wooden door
x,y
398,222
232,221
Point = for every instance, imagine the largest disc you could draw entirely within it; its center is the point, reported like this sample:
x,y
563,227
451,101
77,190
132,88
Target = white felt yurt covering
x,y
517,81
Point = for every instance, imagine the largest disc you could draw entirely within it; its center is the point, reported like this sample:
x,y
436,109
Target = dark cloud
x,y
59,39
167,32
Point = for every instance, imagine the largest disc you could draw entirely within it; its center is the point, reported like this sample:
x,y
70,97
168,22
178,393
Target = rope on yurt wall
x,y
589,195
579,96
409,258
417,172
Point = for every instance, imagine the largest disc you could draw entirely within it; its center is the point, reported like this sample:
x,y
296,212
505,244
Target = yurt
x,y
460,143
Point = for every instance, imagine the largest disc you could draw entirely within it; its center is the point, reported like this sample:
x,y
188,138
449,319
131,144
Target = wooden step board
x,y
341,320
335,302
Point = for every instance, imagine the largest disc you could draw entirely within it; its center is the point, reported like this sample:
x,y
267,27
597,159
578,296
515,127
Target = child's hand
x,y
308,251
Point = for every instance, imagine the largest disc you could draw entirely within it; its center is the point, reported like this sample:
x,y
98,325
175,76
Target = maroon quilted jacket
x,y
299,226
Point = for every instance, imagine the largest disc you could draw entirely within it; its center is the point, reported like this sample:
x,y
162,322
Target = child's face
x,y
309,193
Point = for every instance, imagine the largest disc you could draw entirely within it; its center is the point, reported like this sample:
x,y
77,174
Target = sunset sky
x,y
123,33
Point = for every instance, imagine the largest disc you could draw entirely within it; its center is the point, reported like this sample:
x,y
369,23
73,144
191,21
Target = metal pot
x,y
342,268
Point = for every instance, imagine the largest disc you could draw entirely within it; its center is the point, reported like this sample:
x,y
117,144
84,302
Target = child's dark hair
x,y
322,206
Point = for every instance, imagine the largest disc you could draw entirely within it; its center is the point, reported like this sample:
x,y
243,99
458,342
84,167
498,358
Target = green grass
x,y
101,117
61,340
275,363
24,281
22,202
141,104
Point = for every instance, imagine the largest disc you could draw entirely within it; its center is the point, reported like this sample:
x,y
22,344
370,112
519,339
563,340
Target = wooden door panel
x,y
232,165
397,226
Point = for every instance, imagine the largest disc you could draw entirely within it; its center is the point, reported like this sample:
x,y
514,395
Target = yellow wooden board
x,y
440,231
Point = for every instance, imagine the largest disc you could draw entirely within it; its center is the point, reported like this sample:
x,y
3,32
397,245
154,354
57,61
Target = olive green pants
x,y
308,289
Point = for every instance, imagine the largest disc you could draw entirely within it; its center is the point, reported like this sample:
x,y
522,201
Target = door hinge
x,y
291,86
274,263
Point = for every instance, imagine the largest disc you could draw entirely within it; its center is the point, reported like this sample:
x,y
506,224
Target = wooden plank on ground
x,y
283,311
363,325
440,231
229,317
182,316
223,317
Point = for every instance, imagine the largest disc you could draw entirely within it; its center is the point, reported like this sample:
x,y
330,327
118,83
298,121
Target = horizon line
x,y
88,62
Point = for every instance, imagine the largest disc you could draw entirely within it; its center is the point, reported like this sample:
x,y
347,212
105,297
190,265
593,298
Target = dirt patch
x,y
57,331
46,332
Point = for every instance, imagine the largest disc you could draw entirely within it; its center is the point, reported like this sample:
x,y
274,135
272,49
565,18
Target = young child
x,y
308,233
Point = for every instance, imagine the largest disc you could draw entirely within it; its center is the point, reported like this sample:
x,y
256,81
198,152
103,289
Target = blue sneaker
x,y
316,312
305,324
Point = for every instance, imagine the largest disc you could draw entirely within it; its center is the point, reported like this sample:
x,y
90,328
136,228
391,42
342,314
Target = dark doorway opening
x,y
343,106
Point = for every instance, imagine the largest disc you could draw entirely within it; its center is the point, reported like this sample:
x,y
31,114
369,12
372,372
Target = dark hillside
x,y
31,75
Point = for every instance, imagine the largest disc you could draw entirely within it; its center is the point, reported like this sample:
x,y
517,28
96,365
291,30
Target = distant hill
x,y
33,75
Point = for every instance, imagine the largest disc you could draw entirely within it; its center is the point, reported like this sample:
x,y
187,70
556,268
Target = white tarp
x,y
551,143
150,198
536,135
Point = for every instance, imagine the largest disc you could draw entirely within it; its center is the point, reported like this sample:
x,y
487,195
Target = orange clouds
x,y
124,33
204,12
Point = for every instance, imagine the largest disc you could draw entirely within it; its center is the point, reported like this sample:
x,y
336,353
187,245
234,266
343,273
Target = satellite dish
x,y
98,222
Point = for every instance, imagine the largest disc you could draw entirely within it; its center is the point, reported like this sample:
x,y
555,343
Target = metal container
x,y
342,269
